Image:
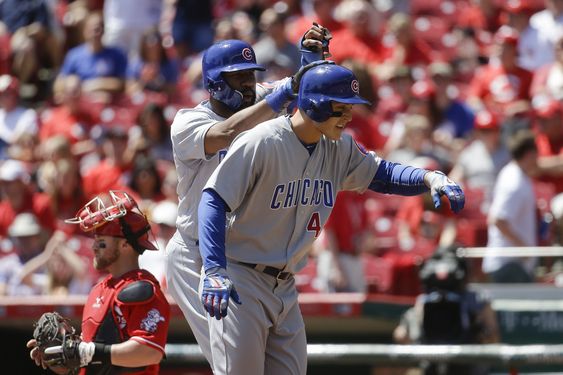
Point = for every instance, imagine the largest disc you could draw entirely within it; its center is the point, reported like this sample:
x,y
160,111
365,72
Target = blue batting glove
x,y
440,185
217,289
280,95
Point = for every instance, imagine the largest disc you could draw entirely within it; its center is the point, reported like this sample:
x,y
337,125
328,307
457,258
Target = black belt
x,y
269,270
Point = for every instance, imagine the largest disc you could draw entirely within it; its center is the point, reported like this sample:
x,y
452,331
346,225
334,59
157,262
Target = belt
x,y
269,270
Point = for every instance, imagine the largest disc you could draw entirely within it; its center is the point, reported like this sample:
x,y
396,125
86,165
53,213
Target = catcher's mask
x,y
116,219
324,84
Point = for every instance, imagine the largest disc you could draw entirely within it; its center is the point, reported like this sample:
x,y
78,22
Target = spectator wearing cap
x,y
16,121
101,69
549,141
480,162
548,79
28,241
18,197
164,215
512,217
501,86
546,26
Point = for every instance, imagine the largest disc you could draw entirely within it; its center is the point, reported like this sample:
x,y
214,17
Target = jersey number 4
x,y
314,224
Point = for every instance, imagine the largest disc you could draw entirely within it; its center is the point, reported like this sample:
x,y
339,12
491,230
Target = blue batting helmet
x,y
323,84
227,56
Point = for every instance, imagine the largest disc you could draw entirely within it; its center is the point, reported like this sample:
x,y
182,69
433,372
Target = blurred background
x,y
89,88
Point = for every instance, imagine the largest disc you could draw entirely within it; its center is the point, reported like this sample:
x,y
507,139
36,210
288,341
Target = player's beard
x,y
105,257
249,98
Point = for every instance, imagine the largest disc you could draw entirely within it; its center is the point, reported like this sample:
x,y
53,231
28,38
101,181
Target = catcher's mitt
x,y
52,330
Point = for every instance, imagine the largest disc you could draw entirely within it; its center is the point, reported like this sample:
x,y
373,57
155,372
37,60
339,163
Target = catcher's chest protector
x,y
98,308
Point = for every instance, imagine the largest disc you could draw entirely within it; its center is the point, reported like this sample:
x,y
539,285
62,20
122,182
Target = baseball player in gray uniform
x,y
200,137
278,182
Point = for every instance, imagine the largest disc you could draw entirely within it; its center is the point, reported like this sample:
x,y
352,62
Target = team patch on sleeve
x,y
360,148
150,322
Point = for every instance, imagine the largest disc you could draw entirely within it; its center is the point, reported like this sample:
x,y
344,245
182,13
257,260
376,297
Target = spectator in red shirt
x,y
344,237
70,118
113,173
17,197
322,13
501,85
359,40
402,46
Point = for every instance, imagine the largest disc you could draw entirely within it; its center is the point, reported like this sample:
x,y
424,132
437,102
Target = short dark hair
x,y
520,143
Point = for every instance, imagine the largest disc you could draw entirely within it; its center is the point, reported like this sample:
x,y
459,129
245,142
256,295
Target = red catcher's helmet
x,y
117,219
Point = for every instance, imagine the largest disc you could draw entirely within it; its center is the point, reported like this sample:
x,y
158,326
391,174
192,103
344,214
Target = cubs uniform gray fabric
x,y
292,193
193,168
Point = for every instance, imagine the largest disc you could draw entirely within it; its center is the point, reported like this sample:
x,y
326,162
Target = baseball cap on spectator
x,y
12,170
8,83
485,120
24,225
507,35
165,212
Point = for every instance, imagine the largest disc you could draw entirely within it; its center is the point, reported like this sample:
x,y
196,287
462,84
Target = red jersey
x,y
499,87
130,307
345,45
104,177
348,220
75,127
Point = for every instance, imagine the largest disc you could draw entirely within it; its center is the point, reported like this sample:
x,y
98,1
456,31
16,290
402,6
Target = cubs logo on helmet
x,y
324,84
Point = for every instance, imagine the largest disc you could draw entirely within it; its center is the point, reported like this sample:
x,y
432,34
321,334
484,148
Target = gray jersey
x,y
193,166
280,196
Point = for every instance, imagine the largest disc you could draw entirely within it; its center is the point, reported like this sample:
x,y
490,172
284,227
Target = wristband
x,y
102,354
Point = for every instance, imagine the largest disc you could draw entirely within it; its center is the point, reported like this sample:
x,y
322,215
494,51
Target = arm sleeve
x,y
394,178
211,211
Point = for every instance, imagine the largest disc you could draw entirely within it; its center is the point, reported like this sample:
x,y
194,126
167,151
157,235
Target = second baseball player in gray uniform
x,y
279,182
200,137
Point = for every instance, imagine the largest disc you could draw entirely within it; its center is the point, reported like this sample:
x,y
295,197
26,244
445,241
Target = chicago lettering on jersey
x,y
303,192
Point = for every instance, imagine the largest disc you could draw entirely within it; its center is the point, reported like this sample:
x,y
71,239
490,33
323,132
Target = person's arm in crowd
x,y
506,230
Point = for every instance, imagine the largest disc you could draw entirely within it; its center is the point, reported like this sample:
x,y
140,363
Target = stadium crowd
x,y
89,88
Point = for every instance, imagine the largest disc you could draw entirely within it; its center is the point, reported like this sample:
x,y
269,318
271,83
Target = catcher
x,y
126,317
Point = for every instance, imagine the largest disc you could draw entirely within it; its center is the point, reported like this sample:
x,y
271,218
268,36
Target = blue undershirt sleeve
x,y
395,178
212,211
